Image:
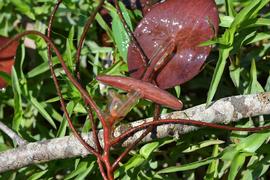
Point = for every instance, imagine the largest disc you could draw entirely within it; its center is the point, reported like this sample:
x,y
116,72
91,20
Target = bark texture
x,y
223,111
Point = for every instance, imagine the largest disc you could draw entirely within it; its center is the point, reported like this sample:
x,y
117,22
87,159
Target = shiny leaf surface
x,y
183,24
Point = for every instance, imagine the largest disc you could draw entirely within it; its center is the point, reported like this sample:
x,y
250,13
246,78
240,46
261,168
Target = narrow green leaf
x,y
229,8
237,163
223,55
212,170
253,142
37,175
118,30
229,153
83,175
258,37
42,110
254,85
43,67
225,21
257,168
147,149
104,25
82,167
19,62
52,111
133,162
202,145
70,49
267,85
177,91
17,119
235,74
245,13
255,23
63,126
187,167
23,8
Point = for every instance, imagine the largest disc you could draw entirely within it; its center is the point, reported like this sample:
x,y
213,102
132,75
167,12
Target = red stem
x,y
106,154
94,131
83,92
75,83
131,146
96,140
183,121
77,71
83,36
58,87
101,168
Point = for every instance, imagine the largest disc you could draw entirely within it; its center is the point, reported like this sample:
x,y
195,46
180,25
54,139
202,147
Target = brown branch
x,y
223,111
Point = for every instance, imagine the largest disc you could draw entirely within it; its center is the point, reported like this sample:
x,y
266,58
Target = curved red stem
x,y
101,168
183,121
77,72
75,83
96,140
83,36
83,92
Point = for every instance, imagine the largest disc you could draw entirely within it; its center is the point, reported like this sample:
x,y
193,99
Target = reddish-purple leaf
x,y
185,24
146,5
7,58
147,90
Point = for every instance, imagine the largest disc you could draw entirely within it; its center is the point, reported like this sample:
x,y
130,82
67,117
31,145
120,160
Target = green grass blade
x,y
213,166
41,68
223,55
37,175
104,25
18,112
119,33
63,126
254,85
187,167
237,163
229,8
42,111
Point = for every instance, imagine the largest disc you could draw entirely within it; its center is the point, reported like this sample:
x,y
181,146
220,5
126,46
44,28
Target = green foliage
x,y
238,64
228,42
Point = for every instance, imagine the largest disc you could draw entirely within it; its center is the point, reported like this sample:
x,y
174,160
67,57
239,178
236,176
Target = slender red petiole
x,y
83,36
184,121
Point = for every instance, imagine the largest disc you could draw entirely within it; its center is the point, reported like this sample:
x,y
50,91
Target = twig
x,y
63,105
134,144
15,137
223,111
72,79
83,92
83,36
